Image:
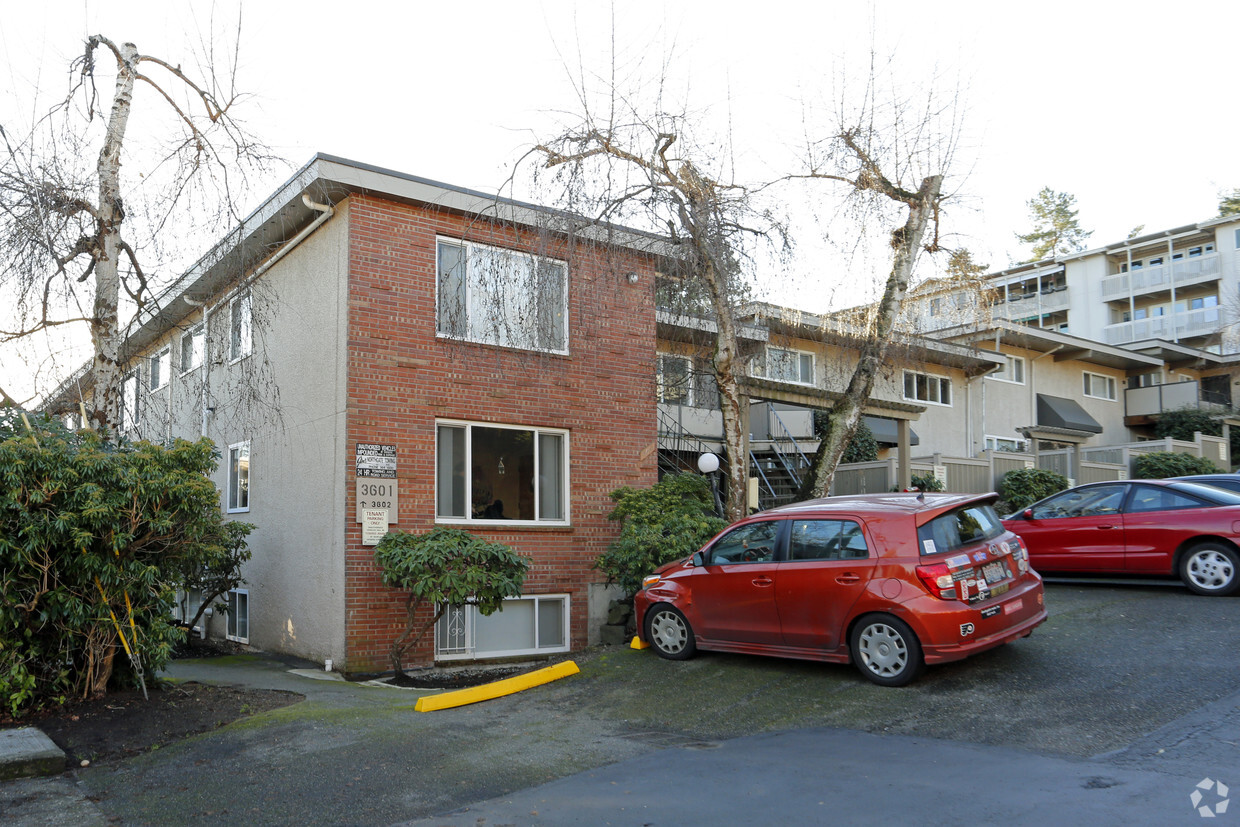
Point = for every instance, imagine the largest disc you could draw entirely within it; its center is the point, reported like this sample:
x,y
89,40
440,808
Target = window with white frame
x,y
193,348
129,401
1145,380
239,477
1098,386
160,365
501,297
239,615
926,387
1013,370
185,606
1013,445
501,473
673,378
530,625
240,327
784,365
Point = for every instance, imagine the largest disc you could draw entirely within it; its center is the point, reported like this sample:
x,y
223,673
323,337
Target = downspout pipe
x,y
325,212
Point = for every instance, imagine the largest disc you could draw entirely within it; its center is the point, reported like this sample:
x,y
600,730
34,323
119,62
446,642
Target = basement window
x,y
532,625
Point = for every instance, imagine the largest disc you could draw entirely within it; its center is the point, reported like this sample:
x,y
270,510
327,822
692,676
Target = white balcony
x,y
1173,327
1180,273
1019,307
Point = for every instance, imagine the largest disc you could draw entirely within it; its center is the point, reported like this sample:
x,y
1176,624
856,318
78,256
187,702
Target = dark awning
x,y
884,430
1058,412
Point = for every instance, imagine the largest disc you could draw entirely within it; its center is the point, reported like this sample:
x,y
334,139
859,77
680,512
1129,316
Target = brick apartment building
x,y
369,338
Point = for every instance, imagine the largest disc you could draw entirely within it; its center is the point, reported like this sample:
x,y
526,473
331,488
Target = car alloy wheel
x,y
1210,568
886,650
669,633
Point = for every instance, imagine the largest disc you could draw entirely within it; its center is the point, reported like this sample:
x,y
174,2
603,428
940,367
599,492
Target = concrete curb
x,y
26,752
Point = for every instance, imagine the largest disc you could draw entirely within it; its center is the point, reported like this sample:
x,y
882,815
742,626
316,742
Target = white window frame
x,y
1108,382
1019,445
465,620
1005,374
472,328
565,475
240,327
931,380
196,337
160,369
661,383
237,489
238,599
130,408
763,367
185,606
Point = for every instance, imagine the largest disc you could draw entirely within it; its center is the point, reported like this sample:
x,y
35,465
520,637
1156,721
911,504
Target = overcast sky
x,y
1130,108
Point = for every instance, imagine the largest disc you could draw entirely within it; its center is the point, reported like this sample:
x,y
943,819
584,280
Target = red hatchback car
x,y
889,581
1142,527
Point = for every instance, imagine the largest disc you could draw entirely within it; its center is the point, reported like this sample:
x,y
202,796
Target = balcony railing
x,y
1183,325
1034,304
1181,273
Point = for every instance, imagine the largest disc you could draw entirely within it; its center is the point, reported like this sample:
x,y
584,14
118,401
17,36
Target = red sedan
x,y
1145,527
891,582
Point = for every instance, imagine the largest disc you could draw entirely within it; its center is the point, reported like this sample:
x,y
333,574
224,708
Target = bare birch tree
x,y
890,156
642,167
80,243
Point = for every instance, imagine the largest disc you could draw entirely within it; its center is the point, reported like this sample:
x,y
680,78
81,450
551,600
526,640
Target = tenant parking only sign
x,y
377,489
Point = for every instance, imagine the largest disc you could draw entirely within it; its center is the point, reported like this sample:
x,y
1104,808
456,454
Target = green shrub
x,y
1163,464
87,526
665,522
927,482
1185,422
863,447
1025,486
445,567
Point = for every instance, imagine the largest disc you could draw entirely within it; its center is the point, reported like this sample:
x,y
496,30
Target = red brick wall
x,y
401,378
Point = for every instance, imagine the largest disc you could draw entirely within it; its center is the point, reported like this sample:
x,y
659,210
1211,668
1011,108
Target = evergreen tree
x,y
1055,227
1229,204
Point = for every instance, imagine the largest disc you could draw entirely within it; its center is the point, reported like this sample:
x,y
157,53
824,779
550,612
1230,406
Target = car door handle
x,y
762,581
1106,526
848,579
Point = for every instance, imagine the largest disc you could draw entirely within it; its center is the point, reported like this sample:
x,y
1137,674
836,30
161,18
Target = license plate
x,y
1013,606
994,572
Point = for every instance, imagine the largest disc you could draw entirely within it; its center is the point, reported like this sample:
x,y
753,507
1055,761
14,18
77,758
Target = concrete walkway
x,y
356,754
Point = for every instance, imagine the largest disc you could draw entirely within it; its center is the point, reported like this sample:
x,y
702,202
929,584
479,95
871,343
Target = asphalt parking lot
x,y
1132,680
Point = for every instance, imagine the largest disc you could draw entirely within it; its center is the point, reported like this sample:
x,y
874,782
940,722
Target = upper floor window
x,y
239,477
936,306
501,297
924,387
161,365
501,473
129,401
1099,386
1145,380
786,365
193,348
673,379
1012,371
241,324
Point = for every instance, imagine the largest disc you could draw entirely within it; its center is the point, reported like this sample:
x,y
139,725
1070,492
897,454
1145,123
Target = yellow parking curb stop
x,y
496,689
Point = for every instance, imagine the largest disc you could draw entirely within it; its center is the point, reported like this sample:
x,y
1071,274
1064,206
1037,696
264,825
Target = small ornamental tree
x,y
94,539
671,519
220,570
1025,486
445,567
1162,464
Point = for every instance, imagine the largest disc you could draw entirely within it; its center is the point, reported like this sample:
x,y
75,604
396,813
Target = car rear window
x,y
1207,492
962,526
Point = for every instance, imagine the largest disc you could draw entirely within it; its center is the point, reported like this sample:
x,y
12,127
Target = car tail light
x,y
937,579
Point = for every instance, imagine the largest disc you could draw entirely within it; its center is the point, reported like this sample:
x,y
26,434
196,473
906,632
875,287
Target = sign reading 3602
x,y
373,492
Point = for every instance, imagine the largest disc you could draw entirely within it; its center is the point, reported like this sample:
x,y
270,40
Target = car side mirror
x,y
699,559
1027,513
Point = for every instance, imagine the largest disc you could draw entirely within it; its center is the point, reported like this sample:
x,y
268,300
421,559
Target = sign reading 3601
x,y
375,492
